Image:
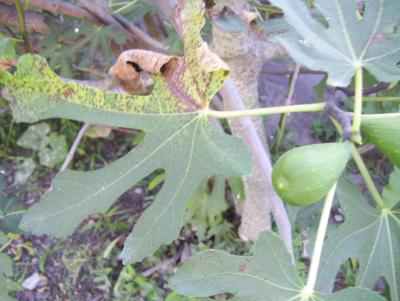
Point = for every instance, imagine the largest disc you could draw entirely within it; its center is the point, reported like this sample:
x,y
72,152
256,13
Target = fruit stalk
x,y
319,242
358,99
367,178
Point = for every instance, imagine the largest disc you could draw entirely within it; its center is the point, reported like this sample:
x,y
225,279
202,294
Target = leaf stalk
x,y
317,107
22,25
358,100
380,116
367,178
319,242
284,116
381,98
12,213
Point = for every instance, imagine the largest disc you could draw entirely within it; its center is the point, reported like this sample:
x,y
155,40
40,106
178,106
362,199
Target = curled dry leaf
x,y
132,69
6,63
178,136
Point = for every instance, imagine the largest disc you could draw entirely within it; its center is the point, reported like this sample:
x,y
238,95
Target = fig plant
x,y
343,41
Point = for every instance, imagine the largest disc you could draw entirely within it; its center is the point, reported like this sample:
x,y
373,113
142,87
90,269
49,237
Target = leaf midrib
x,y
42,218
147,233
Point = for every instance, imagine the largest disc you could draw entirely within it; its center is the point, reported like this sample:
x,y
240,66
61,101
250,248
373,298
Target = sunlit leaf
x,y
369,234
268,275
353,37
391,192
178,138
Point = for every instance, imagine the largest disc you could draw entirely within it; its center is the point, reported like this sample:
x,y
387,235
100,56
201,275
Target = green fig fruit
x,y
304,175
385,134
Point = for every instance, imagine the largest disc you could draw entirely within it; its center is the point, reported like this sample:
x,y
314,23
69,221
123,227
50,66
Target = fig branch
x,y
303,108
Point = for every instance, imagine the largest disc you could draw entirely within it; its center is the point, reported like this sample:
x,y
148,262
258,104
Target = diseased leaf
x,y
352,39
369,234
268,275
391,192
178,137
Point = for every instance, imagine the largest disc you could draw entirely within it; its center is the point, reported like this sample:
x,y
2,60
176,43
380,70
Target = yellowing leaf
x,y
178,138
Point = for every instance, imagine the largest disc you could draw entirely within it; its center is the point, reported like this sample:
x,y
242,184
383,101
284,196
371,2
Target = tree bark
x,y
244,127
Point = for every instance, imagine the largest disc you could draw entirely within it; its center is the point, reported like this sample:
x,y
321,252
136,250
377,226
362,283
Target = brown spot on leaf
x,y
135,66
6,63
243,267
379,37
68,93
209,3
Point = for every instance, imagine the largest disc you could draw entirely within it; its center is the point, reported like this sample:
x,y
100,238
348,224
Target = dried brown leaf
x,y
133,68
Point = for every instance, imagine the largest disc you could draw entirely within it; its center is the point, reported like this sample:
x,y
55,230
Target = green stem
x,y
381,98
126,5
22,25
308,290
358,99
380,116
12,213
6,245
367,178
282,122
317,107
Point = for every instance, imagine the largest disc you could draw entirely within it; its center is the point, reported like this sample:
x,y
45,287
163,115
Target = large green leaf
x,y
369,234
5,265
268,275
349,41
7,286
178,139
391,192
7,205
